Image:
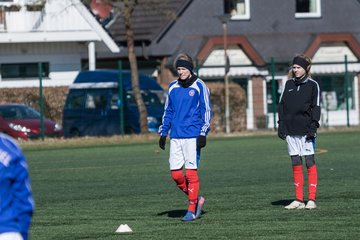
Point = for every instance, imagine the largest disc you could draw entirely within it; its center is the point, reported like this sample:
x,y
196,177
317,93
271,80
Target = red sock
x,y
179,178
193,188
298,182
312,182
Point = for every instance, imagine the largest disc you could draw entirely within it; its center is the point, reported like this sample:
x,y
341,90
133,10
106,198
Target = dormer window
x,y
238,9
308,8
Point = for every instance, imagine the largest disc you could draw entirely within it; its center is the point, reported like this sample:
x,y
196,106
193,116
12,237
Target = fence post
x,y
273,86
121,98
41,102
347,92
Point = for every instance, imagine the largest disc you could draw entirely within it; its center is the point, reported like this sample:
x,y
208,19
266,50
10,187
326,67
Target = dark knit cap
x,y
301,62
184,63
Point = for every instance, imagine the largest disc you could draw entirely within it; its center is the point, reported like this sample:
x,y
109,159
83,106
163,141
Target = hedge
x,y
54,100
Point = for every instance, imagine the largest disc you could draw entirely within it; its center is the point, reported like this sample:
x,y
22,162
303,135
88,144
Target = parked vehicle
x,y
92,106
23,122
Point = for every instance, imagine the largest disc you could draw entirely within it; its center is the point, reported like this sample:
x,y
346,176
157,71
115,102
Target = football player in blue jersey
x,y
187,117
16,201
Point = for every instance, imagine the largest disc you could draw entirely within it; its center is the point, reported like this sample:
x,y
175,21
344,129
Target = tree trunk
x,y
128,9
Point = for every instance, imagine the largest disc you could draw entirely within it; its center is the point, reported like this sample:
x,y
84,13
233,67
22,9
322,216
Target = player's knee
x,y
310,160
192,175
177,175
296,160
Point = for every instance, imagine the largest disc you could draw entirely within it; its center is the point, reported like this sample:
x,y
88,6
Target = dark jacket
x,y
299,107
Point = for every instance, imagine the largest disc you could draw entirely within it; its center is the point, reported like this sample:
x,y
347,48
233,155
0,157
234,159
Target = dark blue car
x,y
92,106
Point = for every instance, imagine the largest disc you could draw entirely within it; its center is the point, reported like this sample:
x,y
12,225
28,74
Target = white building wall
x,y
64,62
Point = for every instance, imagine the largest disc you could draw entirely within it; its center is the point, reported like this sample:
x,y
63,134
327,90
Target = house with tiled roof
x,y
57,34
262,37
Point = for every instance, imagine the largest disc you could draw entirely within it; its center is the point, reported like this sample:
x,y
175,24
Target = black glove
x,y
281,132
162,142
310,136
201,141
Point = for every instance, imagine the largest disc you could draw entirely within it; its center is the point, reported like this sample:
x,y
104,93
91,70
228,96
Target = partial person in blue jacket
x,y
187,117
16,200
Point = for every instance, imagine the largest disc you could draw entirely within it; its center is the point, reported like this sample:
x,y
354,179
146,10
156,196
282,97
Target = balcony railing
x,y
51,18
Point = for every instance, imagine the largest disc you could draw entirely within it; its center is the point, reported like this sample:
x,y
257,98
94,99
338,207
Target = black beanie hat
x,y
301,62
184,63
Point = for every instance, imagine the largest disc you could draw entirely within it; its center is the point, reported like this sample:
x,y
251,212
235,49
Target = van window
x,y
96,100
151,98
114,102
75,100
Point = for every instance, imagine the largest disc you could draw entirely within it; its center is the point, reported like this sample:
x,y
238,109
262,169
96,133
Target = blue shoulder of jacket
x,y
9,150
201,84
172,83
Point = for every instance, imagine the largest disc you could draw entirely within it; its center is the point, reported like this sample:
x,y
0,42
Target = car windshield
x,y
18,112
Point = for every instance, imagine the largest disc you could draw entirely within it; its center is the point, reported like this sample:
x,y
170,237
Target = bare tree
x,y
126,9
129,6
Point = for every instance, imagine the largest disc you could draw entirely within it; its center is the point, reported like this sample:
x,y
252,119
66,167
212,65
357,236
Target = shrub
x,y
54,100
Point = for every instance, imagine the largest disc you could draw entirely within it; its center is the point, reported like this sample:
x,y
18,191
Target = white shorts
x,y
184,152
10,236
297,145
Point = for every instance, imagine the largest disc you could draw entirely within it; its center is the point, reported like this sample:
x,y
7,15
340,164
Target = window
x,y
75,100
238,9
150,97
273,95
308,8
18,112
96,100
115,101
334,92
23,70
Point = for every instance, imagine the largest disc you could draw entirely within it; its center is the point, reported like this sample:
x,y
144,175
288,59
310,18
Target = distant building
x,y
262,38
258,33
57,34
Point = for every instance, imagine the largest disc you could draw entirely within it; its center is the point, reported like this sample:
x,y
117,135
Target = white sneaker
x,y
310,204
295,205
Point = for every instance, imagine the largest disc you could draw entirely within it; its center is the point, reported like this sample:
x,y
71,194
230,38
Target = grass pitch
x,y
86,191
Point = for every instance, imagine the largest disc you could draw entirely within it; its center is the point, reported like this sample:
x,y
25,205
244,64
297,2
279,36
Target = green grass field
x,y
86,192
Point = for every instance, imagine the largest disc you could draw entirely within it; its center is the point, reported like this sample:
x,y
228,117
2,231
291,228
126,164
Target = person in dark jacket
x,y
16,200
299,115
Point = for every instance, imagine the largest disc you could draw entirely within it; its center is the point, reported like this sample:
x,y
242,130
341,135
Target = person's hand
x,y
201,142
281,133
310,136
162,142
